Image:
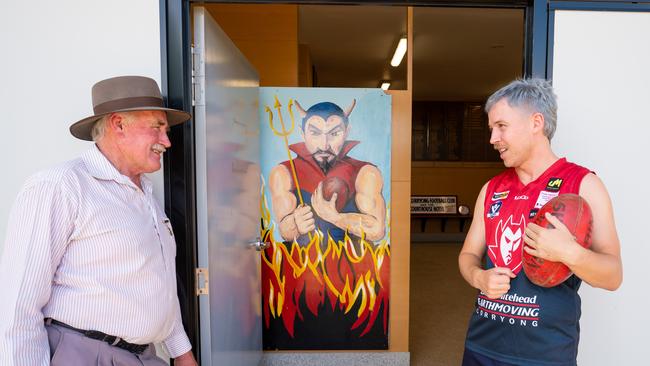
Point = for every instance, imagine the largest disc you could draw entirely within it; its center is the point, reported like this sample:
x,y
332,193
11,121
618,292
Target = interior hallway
x,y
441,303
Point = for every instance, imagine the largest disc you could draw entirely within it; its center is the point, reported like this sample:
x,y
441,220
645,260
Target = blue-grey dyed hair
x,y
535,94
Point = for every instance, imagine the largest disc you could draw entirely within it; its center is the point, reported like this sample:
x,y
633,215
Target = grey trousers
x,y
68,347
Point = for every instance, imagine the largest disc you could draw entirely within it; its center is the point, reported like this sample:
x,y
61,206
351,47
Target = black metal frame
x,y
179,162
180,188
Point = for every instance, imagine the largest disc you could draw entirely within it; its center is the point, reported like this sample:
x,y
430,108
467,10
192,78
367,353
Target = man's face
x,y
325,138
511,133
144,141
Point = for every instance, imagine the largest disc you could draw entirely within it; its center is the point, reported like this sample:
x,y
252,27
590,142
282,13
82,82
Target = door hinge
x,y
198,77
202,282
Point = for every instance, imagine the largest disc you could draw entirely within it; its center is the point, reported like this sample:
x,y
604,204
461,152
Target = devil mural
x,y
324,189
324,213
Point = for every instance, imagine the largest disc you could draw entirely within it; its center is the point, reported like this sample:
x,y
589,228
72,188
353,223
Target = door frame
x,y
176,84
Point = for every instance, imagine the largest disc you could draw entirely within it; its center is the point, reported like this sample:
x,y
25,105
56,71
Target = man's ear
x,y
114,122
538,122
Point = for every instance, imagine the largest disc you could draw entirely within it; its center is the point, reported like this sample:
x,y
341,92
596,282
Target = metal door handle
x,y
258,244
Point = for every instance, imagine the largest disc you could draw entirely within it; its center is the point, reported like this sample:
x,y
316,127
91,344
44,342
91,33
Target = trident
x,y
284,133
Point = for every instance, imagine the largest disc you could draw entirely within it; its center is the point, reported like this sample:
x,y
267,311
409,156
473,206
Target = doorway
x,y
470,170
460,56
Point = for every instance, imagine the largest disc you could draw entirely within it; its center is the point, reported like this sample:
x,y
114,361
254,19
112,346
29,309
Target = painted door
x,y
228,194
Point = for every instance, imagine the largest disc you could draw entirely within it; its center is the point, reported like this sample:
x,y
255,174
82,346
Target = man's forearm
x,y
597,269
469,265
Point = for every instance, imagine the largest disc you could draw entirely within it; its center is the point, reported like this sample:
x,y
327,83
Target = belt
x,y
112,340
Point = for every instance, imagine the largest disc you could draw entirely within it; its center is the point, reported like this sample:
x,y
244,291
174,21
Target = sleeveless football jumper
x,y
530,325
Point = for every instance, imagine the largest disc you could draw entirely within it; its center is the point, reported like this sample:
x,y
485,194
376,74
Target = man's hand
x,y
186,359
493,282
325,209
557,245
304,218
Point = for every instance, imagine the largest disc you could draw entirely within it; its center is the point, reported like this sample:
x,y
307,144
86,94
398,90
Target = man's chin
x,y
153,167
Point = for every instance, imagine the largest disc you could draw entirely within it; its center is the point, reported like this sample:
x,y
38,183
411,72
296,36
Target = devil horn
x,y
301,110
350,108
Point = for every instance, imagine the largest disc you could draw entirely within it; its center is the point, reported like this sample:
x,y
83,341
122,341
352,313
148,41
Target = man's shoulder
x,y
569,165
61,174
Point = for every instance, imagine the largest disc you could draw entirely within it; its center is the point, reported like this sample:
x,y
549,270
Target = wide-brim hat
x,y
125,94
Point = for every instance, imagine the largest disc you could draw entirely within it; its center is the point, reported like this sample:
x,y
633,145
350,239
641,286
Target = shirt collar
x,y
101,168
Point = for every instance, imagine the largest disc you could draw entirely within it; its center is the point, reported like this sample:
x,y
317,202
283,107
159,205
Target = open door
x,y
227,198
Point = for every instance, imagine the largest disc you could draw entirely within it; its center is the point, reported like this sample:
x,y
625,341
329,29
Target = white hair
x,y
99,128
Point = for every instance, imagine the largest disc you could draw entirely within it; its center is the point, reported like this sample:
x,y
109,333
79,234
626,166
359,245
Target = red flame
x,y
345,277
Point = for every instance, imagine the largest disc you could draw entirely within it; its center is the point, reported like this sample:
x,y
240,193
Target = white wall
x,y
52,54
602,77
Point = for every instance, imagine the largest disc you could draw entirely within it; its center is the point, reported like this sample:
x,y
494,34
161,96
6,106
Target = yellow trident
x,y
284,133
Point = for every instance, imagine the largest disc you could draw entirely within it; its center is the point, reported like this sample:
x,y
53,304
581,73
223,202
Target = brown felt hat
x,y
125,94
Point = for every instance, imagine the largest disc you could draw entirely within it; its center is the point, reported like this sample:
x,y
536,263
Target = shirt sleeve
x,y
39,227
177,343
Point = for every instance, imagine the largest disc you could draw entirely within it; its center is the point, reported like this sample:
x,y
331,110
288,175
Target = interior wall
x,y
602,79
267,34
305,67
462,179
400,222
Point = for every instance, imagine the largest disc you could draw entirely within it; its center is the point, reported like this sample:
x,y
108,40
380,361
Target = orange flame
x,y
338,272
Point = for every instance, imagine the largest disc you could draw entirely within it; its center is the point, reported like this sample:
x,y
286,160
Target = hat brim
x,y
82,129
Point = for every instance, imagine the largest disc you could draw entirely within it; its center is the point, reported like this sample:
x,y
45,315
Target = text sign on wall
x,y
433,204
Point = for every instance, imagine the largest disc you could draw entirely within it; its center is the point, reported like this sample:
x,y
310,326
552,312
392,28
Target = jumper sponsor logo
x,y
509,308
532,213
500,195
521,197
545,196
554,184
494,210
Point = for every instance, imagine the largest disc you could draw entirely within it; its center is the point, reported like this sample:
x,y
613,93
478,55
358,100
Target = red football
x,y
574,212
336,185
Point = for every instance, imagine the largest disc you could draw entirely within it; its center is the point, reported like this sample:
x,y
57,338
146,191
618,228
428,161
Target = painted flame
x,y
347,278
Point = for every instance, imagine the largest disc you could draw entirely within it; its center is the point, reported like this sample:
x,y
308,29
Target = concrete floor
x,y
441,303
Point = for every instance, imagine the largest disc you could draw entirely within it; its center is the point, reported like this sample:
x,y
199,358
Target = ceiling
x,y
460,54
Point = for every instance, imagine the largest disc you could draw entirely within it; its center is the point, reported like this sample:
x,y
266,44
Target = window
x,y
451,131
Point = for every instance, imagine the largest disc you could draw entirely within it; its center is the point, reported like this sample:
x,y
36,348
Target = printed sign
x,y
433,205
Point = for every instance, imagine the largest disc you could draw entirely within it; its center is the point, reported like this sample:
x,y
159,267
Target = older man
x,y
515,321
88,268
355,202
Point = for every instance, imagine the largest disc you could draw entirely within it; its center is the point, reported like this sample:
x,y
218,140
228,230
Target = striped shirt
x,y
87,247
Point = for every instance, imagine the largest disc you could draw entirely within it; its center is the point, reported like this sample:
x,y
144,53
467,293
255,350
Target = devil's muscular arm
x,y
371,219
294,220
493,282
